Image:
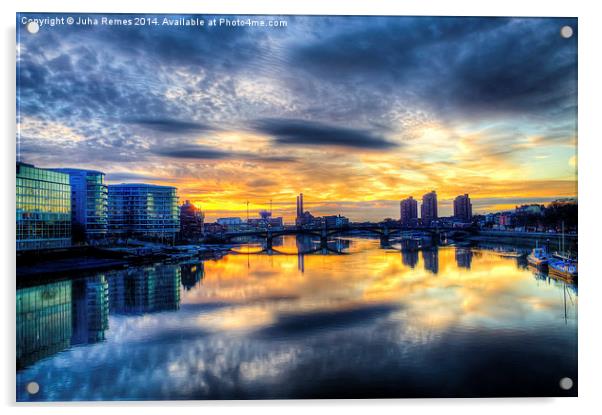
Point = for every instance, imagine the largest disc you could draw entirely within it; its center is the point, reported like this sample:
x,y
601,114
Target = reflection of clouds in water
x,y
335,329
208,366
262,368
484,295
235,367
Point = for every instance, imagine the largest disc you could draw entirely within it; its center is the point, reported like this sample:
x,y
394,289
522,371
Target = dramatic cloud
x,y
291,132
354,111
453,63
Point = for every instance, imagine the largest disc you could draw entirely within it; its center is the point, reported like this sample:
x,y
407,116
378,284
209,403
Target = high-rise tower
x,y
428,210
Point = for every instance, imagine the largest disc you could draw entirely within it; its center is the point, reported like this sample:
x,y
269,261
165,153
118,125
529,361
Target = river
x,y
354,321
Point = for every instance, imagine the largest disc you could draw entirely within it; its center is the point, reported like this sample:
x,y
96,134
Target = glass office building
x,y
43,208
89,203
143,210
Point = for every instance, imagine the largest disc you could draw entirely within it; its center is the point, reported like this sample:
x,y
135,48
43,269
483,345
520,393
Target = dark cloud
x,y
301,132
453,64
384,46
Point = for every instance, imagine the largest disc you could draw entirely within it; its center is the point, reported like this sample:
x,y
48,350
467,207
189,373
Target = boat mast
x,y
564,291
563,250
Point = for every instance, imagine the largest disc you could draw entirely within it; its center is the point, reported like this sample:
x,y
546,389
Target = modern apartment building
x,y
143,210
89,203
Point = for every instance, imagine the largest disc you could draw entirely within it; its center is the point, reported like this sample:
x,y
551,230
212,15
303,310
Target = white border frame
x,y
590,35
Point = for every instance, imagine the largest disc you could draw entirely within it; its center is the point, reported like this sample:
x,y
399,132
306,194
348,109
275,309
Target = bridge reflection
x,y
304,245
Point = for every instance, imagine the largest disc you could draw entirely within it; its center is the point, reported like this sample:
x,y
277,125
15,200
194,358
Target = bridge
x,y
384,231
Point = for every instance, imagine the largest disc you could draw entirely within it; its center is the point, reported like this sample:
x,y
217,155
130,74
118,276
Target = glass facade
x,y
143,210
43,208
43,321
89,203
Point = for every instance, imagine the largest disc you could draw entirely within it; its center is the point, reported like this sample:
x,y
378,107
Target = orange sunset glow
x,y
280,112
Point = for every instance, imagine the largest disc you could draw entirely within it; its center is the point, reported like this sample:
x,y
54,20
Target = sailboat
x,y
561,264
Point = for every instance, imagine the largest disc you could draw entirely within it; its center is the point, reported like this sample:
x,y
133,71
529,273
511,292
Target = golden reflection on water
x,y
444,287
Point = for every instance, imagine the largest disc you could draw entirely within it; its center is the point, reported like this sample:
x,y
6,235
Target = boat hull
x,y
563,269
537,262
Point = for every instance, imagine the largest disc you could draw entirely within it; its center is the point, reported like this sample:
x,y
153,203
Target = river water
x,y
354,321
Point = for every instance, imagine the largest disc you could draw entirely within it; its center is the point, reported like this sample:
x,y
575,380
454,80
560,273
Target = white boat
x,y
538,257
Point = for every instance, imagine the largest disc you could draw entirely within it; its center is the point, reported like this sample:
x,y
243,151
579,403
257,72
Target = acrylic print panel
x,y
254,207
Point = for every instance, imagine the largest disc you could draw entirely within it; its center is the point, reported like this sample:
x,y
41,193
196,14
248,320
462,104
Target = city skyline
x,y
254,209
228,115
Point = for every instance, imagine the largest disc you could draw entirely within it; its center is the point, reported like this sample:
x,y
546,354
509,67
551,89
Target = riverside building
x,y
142,210
43,208
89,203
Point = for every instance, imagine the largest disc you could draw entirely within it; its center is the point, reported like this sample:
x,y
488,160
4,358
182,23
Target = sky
x,y
356,113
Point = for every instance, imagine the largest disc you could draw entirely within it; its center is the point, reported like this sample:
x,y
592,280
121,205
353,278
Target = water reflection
x,y
192,274
430,256
43,321
463,257
55,316
146,289
302,325
90,309
409,257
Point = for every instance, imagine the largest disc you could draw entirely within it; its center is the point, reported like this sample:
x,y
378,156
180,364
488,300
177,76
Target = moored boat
x,y
561,263
566,268
538,257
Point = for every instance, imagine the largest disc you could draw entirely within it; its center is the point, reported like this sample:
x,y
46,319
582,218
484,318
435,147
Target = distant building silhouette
x,y
191,222
229,221
428,210
463,209
300,210
305,218
336,221
408,211
265,221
